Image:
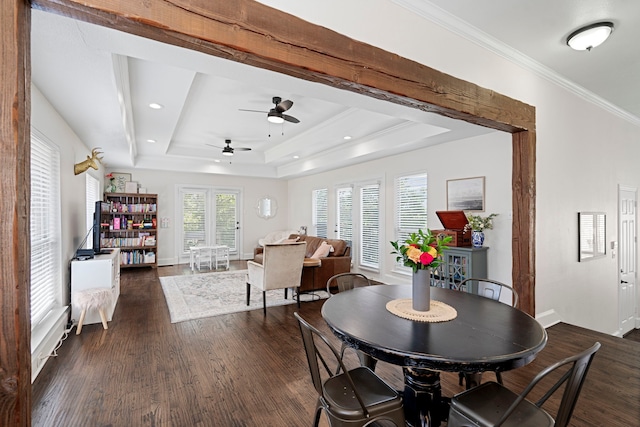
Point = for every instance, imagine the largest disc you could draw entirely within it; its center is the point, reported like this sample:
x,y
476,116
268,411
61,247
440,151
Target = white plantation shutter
x,y
320,212
194,229
411,205
226,220
370,225
46,278
344,214
92,195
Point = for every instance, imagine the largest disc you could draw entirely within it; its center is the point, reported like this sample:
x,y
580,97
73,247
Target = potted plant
x,y
478,224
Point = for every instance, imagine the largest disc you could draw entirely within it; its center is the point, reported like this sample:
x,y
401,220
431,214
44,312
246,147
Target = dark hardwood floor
x,y
245,369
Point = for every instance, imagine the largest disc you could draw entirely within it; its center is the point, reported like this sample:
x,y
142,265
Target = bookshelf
x,y
131,225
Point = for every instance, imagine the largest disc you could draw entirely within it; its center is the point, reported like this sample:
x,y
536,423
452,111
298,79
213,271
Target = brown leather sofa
x,y
315,278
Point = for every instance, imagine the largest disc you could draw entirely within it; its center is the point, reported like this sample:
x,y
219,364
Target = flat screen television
x,y
97,216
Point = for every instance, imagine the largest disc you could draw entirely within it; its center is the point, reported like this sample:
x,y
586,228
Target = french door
x,y
208,216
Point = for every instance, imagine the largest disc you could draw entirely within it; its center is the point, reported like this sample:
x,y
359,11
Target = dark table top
x,y
486,335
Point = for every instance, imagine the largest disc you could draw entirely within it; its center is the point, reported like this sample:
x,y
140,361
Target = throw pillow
x,y
322,251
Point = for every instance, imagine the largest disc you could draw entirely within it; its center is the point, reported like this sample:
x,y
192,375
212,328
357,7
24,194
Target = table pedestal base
x,y
422,398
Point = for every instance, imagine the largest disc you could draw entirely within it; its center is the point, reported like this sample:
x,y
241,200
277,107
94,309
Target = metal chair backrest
x,y
308,333
487,288
574,378
347,281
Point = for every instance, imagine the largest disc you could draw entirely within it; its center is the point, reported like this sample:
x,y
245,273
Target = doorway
x,y
627,265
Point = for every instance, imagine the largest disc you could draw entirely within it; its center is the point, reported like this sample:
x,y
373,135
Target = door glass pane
x,y
193,219
226,220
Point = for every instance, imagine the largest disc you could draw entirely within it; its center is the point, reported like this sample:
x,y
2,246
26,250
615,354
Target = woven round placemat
x,y
439,311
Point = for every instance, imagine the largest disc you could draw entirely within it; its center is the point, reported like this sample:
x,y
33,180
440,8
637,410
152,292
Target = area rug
x,y
212,294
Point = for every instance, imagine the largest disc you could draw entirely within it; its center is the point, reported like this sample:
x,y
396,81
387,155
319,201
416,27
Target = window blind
x,y
344,214
46,279
194,229
370,226
411,205
320,213
226,220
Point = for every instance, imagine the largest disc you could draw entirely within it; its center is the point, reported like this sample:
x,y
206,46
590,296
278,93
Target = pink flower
x,y
426,258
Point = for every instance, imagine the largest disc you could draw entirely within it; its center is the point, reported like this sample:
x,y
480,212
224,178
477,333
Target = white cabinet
x,y
103,271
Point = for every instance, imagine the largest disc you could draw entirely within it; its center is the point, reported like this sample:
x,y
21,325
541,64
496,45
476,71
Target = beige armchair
x,y
281,268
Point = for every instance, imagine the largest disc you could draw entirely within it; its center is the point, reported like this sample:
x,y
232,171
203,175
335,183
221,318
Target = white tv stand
x,y
102,271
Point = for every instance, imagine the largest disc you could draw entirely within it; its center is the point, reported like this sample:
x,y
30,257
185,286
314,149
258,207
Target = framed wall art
x,y
120,180
465,194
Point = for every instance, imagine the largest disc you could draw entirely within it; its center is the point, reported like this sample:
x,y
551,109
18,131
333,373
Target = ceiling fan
x,y
275,115
228,150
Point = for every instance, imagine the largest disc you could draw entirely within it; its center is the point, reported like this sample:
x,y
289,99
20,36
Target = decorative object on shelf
x,y
267,207
465,194
422,251
91,162
591,235
478,224
111,185
120,180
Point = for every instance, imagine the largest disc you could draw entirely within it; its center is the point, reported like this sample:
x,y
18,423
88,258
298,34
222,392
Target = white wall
x,y
488,156
583,151
253,227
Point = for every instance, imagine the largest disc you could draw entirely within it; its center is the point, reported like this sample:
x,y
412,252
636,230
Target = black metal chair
x,y
489,289
356,397
493,405
344,282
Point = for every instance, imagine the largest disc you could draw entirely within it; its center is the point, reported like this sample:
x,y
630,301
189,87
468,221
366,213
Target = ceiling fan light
x,y
227,153
275,117
586,38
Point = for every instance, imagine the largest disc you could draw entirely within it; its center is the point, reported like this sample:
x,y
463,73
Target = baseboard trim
x,y
548,318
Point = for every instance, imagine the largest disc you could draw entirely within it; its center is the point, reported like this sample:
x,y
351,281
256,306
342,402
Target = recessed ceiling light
x,y
216,161
346,137
156,106
296,157
152,141
586,38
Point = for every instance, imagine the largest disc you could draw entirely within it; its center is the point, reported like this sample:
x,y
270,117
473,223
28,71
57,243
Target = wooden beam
x,y
523,183
15,326
248,32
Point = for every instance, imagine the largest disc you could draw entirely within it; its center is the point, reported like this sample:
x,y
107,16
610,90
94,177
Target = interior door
x,y
627,257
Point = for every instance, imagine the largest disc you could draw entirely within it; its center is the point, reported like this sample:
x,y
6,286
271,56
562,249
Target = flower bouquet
x,y
421,250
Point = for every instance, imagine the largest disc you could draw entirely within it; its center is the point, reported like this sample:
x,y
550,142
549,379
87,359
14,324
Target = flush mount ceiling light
x,y
586,38
156,106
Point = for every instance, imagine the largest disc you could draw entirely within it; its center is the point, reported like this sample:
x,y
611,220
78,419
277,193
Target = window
x,y
194,224
320,212
92,195
370,226
46,278
411,205
344,226
226,220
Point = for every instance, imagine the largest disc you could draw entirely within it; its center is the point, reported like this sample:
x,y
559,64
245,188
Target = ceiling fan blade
x,y
283,106
242,148
290,118
252,111
215,146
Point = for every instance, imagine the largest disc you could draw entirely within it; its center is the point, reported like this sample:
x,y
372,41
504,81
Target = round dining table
x,y
485,335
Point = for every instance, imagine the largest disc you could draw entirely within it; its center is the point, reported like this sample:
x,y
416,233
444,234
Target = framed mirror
x,y
591,235
267,207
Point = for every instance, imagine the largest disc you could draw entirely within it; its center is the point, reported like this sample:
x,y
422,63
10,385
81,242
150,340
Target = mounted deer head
x,y
91,162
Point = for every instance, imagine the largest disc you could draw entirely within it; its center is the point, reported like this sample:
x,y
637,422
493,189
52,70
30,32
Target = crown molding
x,y
439,16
